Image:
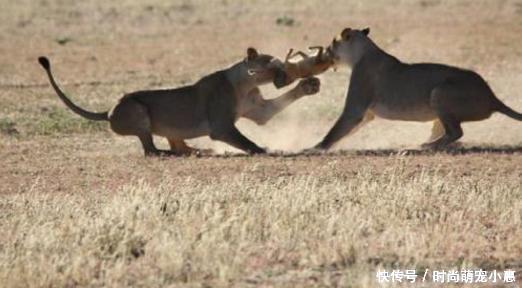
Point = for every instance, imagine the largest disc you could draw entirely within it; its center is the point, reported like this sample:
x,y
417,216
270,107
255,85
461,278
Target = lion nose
x,y
280,79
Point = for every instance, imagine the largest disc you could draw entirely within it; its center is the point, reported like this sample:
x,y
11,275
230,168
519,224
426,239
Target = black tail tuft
x,y
44,62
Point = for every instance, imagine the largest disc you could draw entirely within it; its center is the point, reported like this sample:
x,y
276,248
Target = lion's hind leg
x,y
442,101
179,147
130,117
453,132
437,131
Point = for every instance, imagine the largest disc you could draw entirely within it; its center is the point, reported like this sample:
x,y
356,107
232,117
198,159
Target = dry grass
x,y
312,229
81,207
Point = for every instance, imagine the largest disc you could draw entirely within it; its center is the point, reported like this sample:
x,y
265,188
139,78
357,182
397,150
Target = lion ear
x,y
252,53
346,33
366,31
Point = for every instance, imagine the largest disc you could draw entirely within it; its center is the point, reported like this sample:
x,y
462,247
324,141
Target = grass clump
x,y
60,121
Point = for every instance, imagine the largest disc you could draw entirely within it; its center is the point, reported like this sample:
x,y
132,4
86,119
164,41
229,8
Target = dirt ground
x,y
103,49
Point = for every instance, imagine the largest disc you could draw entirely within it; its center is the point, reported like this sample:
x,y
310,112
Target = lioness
x,y
209,107
383,86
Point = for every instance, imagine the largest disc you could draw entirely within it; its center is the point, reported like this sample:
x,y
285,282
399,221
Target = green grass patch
x,y
61,121
8,127
63,40
285,21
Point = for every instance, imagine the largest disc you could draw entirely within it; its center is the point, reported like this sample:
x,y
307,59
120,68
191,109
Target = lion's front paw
x,y
310,86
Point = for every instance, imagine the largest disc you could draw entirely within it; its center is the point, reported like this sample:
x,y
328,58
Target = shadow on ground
x,y
460,150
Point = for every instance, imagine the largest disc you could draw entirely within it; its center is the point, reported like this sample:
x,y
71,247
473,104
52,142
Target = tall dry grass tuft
x,y
313,229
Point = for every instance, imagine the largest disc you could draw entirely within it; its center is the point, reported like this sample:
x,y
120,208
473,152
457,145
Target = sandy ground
x,y
101,51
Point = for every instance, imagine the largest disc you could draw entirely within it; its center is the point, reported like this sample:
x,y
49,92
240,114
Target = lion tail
x,y
103,116
506,110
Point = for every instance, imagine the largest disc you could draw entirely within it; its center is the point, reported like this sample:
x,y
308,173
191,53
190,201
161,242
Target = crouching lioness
x,y
383,86
209,107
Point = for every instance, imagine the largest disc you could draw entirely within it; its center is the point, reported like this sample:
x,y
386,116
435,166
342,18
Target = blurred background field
x,y
101,50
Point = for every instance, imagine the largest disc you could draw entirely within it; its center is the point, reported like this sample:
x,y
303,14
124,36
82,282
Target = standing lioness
x,y
209,107
383,86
